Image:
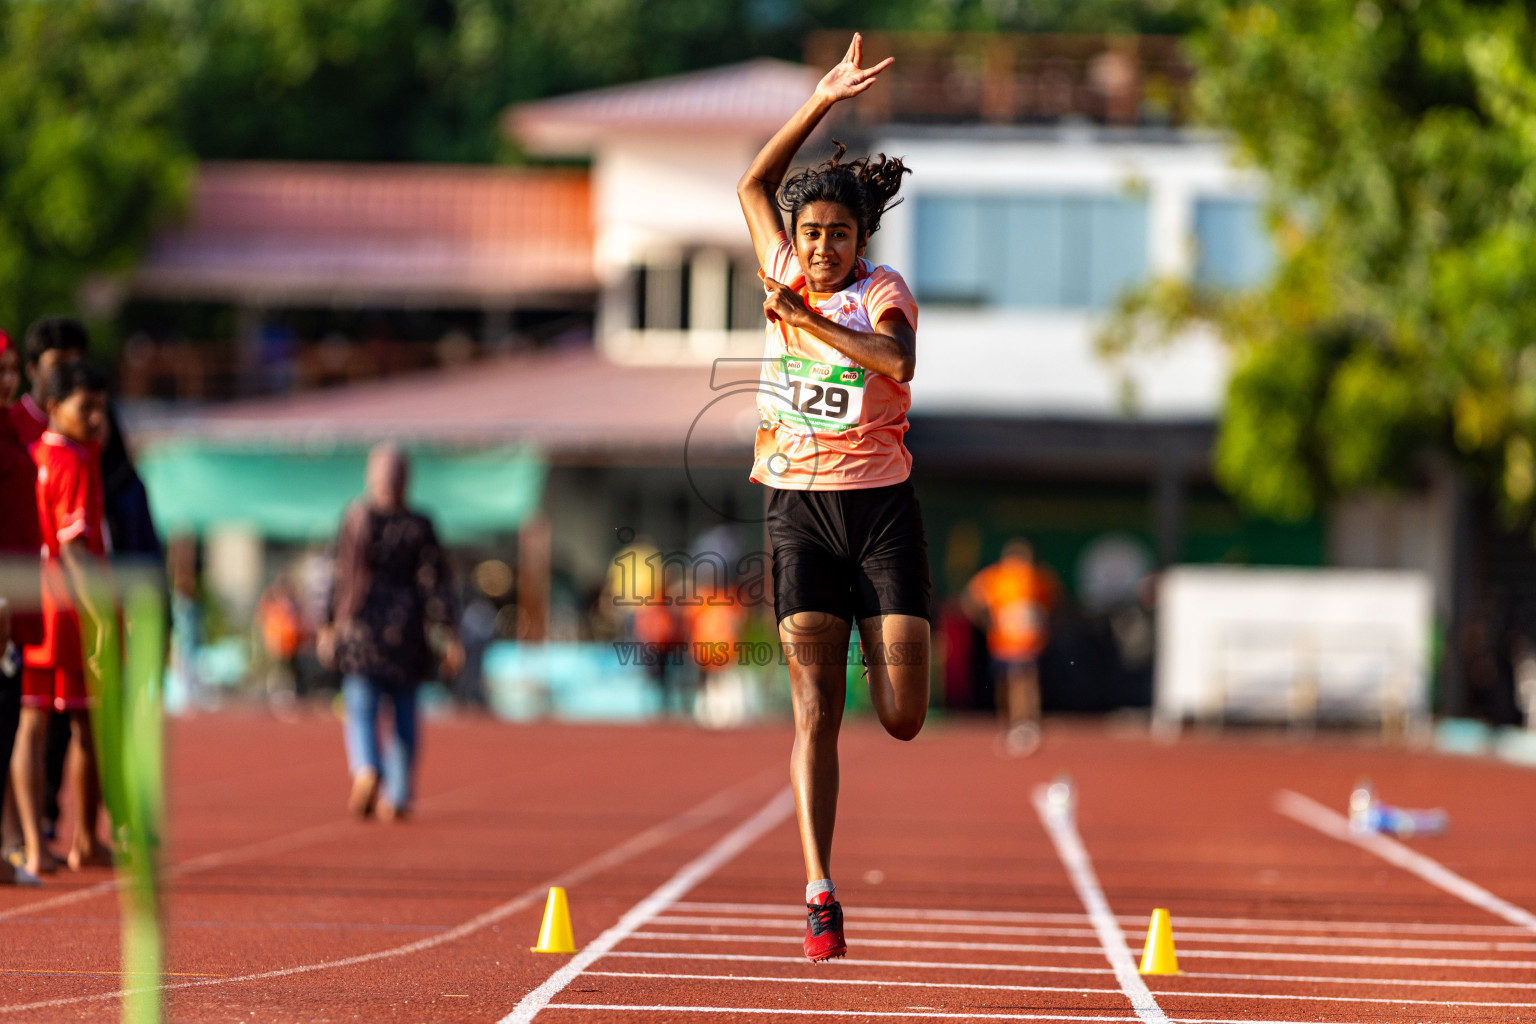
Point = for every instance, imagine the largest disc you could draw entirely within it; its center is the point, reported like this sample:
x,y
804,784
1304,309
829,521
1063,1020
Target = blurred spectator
x,y
53,341
391,583
1012,601
76,621
477,628
21,623
663,634
281,630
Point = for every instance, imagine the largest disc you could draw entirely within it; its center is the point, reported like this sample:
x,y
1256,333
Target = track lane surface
x,y
958,905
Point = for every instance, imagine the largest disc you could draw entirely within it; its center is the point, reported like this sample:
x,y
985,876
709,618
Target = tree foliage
x,y
103,103
1399,143
414,80
90,156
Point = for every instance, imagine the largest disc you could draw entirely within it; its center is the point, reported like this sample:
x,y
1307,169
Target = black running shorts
x,y
853,554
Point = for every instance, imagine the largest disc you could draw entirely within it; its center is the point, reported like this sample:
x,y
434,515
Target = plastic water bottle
x,y
1405,822
1363,815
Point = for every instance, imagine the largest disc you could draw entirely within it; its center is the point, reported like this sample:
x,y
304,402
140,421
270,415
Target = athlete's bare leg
x,y
27,785
1023,694
896,648
816,645
85,784
1019,701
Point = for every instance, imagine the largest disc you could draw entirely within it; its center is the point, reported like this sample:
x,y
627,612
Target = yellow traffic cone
x,y
1158,957
555,936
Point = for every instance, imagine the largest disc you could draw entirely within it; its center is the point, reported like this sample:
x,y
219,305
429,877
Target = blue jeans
x,y
362,698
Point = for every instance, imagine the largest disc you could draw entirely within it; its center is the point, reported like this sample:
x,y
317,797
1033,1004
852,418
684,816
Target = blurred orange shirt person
x,y
1018,596
281,629
718,620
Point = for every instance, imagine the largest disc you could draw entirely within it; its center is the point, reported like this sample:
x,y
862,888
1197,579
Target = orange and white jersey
x,y
827,423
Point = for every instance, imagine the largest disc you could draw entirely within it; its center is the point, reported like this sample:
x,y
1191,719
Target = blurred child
x,y
69,511
50,342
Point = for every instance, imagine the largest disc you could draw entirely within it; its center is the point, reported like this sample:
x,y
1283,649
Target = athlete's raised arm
x,y
758,188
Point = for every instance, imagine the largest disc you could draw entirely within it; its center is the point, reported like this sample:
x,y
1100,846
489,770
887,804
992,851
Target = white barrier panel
x,y
1292,644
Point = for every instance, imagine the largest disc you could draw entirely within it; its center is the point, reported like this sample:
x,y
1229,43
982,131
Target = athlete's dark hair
x,y
866,186
67,378
51,332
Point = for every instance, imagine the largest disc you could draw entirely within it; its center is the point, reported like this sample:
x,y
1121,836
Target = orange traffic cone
x,y
1158,957
555,936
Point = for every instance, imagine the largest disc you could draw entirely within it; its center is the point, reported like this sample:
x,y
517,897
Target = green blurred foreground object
x,y
127,726
1399,141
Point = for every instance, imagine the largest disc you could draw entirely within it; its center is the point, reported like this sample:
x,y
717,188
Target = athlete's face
x,y
828,244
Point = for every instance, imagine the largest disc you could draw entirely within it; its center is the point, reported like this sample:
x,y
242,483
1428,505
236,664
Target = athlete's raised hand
x,y
848,79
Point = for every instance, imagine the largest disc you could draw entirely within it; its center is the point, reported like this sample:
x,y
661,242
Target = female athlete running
x,y
843,520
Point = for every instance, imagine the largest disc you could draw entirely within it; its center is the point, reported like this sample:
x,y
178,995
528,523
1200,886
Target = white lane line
x,y
1021,947
886,983
1074,857
905,1014
877,982
913,913
908,1014
946,965
690,875
1359,943
1236,938
1321,958
1004,916
1329,822
887,926
1334,979
642,842
943,965
1171,994
998,947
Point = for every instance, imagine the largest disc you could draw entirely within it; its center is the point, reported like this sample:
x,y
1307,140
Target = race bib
x,y
824,397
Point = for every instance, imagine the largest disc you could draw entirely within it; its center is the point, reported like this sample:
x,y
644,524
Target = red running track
x,y
960,905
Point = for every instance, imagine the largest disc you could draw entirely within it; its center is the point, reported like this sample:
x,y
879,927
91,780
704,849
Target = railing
x,y
1017,78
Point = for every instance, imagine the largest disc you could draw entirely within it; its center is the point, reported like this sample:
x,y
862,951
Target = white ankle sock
x,y
816,888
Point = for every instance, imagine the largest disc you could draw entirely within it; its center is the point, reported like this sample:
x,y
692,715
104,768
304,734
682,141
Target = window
x,y
1233,248
1029,251
704,290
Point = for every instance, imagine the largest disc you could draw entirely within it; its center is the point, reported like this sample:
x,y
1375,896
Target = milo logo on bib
x,y
824,397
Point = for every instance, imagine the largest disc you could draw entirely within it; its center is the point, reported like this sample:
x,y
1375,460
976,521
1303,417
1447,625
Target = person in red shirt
x,y
50,341
69,514
21,620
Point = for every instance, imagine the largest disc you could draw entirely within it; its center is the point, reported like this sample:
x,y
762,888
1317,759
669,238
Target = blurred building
x,y
298,276
608,323
1050,175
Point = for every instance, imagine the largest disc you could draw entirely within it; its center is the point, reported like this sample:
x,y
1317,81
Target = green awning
x,y
301,494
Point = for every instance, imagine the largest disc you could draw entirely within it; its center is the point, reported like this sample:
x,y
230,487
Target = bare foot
x,y
388,812
365,793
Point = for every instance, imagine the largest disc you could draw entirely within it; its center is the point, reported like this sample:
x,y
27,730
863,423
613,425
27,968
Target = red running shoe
x,y
824,929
